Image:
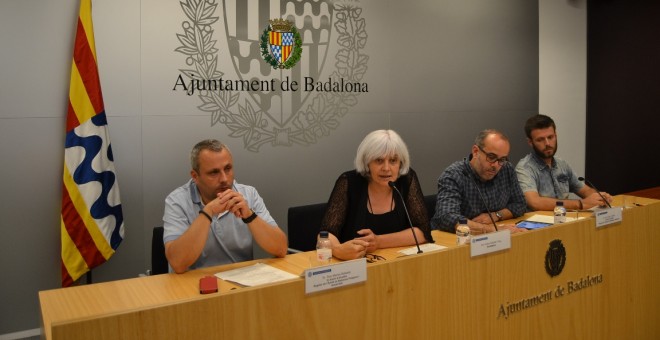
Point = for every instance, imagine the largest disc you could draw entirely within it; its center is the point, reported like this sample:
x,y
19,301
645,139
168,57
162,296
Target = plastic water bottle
x,y
462,232
560,212
323,249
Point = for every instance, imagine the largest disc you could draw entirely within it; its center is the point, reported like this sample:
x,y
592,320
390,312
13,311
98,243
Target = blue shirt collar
x,y
540,163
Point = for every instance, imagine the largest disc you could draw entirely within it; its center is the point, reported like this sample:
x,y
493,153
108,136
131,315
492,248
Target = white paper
x,y
551,219
255,275
426,247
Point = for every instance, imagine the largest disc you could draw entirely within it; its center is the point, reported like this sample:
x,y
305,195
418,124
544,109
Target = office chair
x,y
304,223
159,263
429,202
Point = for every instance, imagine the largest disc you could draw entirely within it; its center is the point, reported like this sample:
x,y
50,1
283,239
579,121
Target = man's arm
x,y
591,198
482,224
269,236
448,206
536,202
517,205
185,250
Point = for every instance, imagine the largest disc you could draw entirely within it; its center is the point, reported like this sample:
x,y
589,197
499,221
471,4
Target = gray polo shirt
x,y
229,240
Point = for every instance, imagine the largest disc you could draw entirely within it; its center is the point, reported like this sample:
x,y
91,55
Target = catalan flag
x,y
92,223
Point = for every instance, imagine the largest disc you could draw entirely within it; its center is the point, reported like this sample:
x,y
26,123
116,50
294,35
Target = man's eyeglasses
x,y
371,258
492,158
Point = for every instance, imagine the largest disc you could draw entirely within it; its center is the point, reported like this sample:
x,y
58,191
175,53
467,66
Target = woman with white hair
x,y
364,212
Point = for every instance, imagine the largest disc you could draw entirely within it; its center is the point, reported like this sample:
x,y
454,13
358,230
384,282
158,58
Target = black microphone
x,y
481,196
390,183
593,186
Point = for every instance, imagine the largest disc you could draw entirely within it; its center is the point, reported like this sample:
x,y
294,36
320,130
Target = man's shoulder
x,y
244,187
525,162
455,168
562,163
181,191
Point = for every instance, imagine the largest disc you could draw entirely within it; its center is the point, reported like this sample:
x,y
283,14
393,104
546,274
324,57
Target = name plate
x,y
608,216
489,243
335,275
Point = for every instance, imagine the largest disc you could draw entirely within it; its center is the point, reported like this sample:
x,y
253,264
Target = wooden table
x,y
607,289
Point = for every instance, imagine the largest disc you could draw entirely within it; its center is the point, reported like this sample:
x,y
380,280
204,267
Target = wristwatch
x,y
250,218
499,216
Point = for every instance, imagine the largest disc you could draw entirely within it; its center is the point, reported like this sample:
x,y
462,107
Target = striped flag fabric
x,y
92,223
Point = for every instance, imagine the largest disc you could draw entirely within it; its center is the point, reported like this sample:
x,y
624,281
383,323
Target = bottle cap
x,y
323,234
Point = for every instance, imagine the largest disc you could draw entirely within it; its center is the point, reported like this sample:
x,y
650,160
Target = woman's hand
x,y
351,250
370,238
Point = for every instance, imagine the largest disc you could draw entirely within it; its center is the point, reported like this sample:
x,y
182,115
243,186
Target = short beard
x,y
542,155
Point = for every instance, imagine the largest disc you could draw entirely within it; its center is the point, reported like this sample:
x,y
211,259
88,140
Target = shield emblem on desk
x,y
555,258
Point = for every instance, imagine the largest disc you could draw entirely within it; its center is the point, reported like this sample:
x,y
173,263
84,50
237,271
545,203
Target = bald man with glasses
x,y
481,188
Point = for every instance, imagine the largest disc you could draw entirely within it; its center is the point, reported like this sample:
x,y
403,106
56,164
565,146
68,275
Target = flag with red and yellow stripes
x,y
92,223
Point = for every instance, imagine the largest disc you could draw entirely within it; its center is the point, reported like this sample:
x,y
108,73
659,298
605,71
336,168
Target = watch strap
x,y
250,218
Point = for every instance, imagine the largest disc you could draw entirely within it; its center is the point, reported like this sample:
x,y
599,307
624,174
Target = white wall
x,y
563,74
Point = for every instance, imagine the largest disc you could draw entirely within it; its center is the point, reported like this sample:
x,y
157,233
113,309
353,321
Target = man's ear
x,y
475,150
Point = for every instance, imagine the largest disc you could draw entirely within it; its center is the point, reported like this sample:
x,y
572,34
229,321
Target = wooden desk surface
x,y
648,193
151,291
404,297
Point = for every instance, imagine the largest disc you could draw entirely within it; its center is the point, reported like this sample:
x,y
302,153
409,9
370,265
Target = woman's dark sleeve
x,y
417,208
335,212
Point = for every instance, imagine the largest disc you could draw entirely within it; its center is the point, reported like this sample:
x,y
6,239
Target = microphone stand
x,y
597,191
483,200
391,184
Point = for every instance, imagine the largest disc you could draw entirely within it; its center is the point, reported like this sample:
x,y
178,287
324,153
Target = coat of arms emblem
x,y
555,258
283,88
281,44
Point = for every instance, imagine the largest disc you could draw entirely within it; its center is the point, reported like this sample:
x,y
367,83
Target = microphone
x,y
582,179
391,184
481,196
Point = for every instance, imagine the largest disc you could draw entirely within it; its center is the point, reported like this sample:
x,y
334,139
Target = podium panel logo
x,y
555,258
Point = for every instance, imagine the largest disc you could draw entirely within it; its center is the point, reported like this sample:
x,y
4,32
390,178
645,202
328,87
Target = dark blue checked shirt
x,y
458,196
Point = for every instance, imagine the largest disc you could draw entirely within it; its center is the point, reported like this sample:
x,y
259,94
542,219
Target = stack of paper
x,y
254,275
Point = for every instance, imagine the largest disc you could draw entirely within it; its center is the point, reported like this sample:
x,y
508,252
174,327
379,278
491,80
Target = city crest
x,y
280,105
555,258
281,44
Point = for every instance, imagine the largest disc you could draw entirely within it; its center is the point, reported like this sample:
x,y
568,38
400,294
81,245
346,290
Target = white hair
x,y
381,143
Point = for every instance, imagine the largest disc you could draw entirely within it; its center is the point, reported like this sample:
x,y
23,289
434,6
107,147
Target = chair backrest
x,y
159,263
429,202
304,223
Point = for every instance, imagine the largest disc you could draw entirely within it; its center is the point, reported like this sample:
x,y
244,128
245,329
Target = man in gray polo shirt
x,y
546,179
212,219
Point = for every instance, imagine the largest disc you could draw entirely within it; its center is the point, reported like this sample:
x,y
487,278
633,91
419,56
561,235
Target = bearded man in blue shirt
x,y
545,178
